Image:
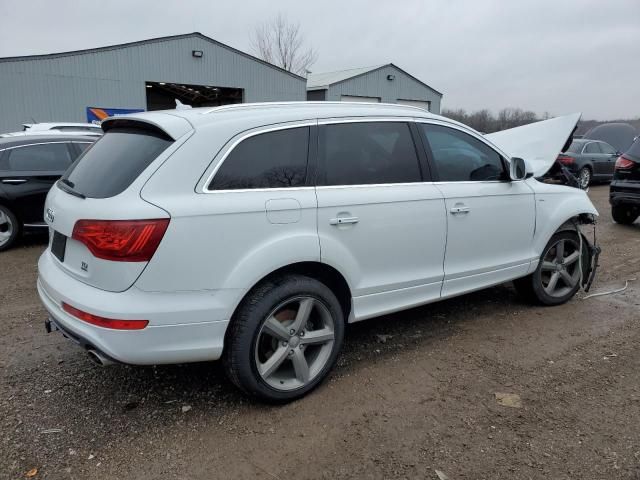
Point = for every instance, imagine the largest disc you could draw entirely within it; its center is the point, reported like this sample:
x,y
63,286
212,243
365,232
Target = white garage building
x,y
382,83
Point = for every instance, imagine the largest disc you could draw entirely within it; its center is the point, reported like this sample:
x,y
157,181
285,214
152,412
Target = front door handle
x,y
14,181
459,210
343,220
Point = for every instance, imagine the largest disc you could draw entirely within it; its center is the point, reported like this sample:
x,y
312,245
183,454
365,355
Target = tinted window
x,y
48,157
634,150
367,153
592,148
608,149
115,161
459,157
269,160
576,147
82,146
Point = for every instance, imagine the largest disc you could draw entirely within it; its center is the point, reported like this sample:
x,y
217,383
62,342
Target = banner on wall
x,y
97,114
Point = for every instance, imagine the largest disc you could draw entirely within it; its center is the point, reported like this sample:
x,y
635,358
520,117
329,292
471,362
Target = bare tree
x,y
280,42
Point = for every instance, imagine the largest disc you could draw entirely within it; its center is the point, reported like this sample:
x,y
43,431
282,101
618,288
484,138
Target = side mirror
x,y
517,168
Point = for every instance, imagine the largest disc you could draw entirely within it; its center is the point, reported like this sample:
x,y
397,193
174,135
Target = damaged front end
x,y
590,251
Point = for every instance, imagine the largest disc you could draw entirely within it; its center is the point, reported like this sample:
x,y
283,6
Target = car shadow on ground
x,y
204,386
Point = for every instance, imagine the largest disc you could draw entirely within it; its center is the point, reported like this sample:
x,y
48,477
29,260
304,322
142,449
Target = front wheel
x,y
557,277
284,339
624,215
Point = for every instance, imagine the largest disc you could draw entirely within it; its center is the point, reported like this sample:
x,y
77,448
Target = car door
x,y
609,157
490,219
27,173
593,154
381,220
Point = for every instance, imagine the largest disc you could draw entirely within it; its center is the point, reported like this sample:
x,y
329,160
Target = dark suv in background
x,y
589,160
29,166
624,193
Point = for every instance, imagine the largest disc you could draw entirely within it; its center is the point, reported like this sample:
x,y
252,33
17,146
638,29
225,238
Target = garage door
x,y
416,103
352,98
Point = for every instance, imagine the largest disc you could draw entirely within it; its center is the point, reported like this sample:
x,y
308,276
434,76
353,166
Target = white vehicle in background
x,y
85,128
255,232
55,129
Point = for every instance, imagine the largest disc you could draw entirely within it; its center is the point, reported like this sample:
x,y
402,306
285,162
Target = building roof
x,y
145,42
322,81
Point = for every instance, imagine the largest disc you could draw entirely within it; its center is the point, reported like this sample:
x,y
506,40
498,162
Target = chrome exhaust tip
x,y
99,358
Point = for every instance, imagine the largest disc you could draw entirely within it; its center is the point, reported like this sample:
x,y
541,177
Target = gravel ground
x,y
413,393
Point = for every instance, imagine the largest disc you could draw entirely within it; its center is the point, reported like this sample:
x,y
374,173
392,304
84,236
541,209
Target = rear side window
x,y
365,153
634,150
608,149
115,161
47,157
275,159
459,157
592,148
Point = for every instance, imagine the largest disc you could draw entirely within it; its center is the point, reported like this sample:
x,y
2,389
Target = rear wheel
x,y
584,177
624,215
557,277
9,228
284,339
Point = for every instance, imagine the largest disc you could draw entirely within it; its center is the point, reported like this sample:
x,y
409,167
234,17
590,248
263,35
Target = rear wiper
x,y
67,186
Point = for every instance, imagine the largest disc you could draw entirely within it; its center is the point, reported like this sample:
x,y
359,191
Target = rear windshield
x,y
111,164
634,150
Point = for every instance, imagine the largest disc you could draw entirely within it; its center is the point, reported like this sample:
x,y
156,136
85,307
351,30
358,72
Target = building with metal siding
x,y
383,83
61,86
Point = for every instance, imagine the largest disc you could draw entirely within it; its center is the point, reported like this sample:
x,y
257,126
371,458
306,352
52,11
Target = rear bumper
x,y
183,326
627,193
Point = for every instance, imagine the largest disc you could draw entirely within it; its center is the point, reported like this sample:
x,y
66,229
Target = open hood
x,y
538,143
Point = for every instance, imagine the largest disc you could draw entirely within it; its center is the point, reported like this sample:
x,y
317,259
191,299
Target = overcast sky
x,y
556,56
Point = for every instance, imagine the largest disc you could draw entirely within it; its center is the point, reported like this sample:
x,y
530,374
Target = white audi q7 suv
x,y
253,233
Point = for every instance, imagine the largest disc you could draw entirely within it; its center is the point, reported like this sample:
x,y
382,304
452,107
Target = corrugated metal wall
x,y
60,88
375,84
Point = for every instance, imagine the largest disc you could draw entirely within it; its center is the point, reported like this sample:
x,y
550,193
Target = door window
x,y
607,149
365,153
47,157
275,159
592,148
459,157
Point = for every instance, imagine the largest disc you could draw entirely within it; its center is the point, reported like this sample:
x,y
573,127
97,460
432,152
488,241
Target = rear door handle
x,y
459,210
343,220
14,181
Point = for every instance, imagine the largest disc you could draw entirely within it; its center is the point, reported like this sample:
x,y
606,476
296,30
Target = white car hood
x,y
538,143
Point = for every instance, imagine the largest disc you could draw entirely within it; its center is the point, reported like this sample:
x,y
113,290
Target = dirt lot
x,y
421,400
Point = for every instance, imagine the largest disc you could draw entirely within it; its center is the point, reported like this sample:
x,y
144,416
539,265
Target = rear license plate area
x,y
59,245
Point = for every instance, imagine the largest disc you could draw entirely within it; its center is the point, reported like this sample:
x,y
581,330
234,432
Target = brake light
x,y
105,322
623,163
121,240
566,159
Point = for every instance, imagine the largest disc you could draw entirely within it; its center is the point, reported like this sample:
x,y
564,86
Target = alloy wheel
x,y
6,228
584,178
560,271
294,343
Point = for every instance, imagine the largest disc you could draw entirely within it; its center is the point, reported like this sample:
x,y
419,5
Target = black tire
x,y
8,224
624,215
531,287
585,177
241,342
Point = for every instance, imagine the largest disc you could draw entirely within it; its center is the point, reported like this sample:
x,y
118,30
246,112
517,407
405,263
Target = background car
x,y
624,193
29,166
62,127
589,160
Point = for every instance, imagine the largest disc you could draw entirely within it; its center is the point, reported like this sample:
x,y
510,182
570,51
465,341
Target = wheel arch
x,y
319,271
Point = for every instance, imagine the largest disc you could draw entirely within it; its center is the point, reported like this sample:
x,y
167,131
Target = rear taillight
x,y
121,240
105,322
623,163
566,159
